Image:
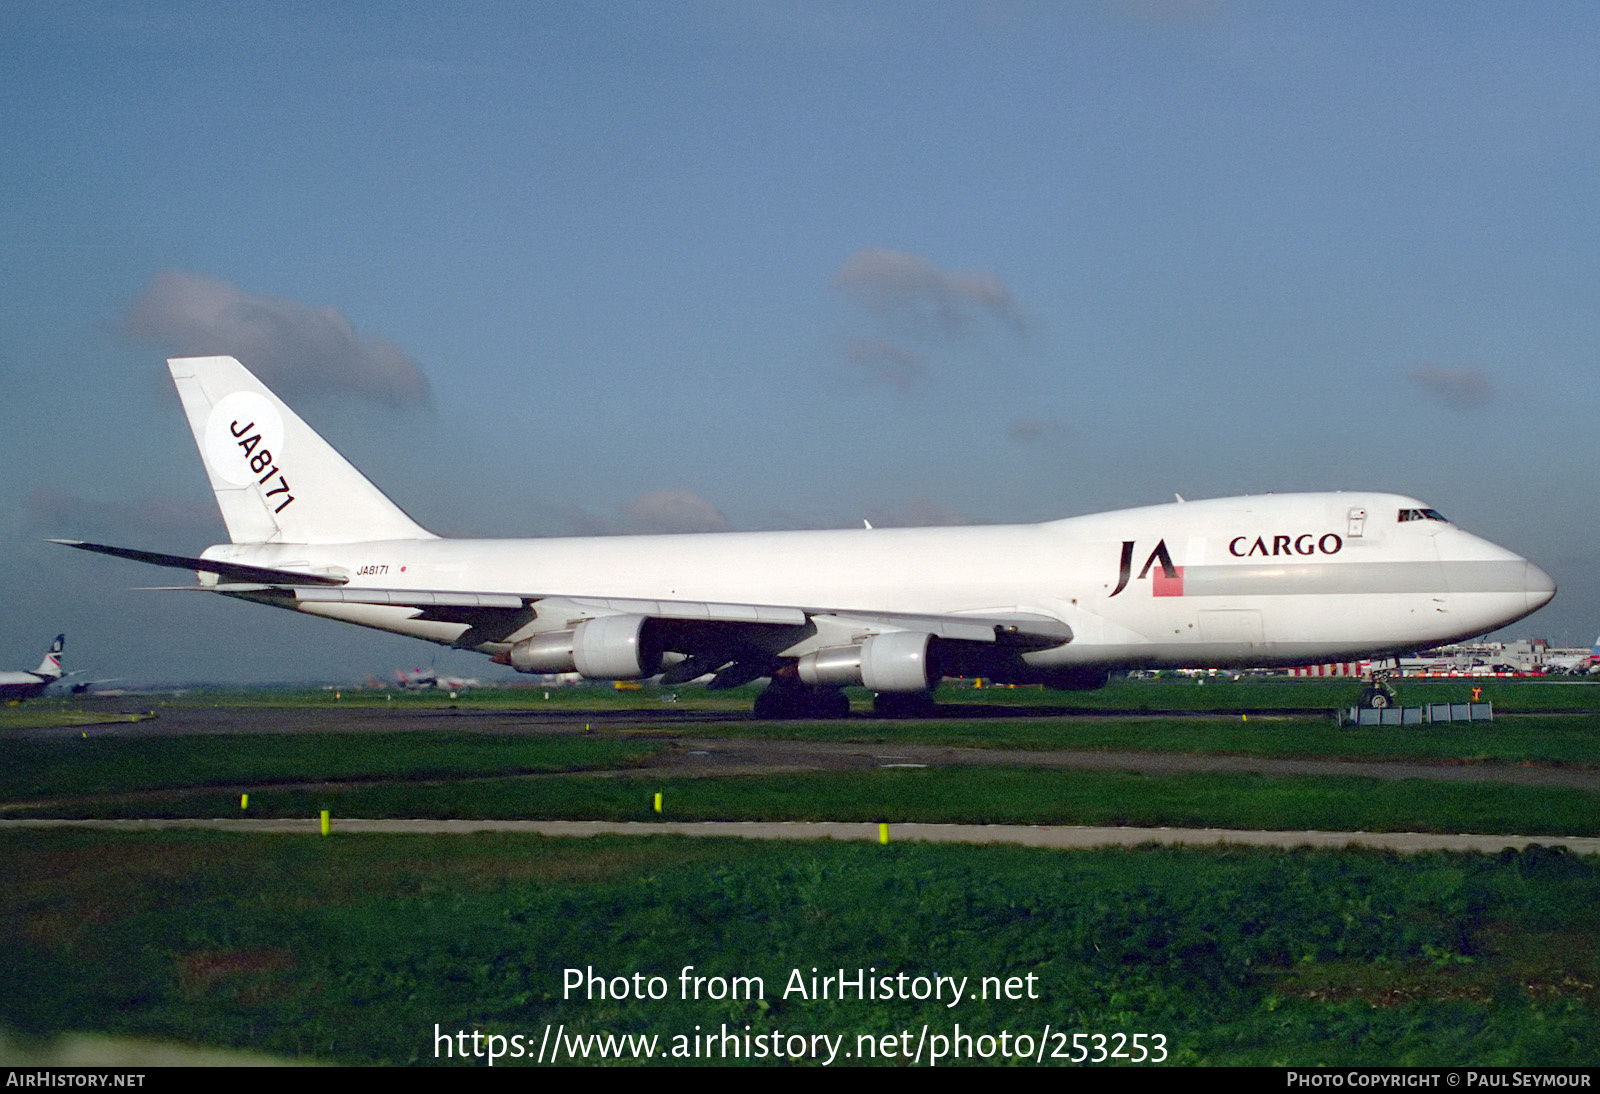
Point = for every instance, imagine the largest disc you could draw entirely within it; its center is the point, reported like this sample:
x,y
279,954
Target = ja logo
x,y
1160,554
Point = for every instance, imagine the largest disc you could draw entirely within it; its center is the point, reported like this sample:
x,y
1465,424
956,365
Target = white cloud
x,y
162,516
675,511
295,349
661,511
884,362
911,293
1456,388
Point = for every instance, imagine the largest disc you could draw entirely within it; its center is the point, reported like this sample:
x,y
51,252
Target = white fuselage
x,y
23,685
1274,579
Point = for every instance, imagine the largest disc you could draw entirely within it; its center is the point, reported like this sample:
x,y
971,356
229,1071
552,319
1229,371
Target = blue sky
x,y
548,269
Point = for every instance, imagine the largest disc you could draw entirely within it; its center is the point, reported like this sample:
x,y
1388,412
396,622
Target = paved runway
x,y
744,756
688,754
1065,837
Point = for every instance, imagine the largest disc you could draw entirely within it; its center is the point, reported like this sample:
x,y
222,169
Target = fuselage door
x,y
1358,523
1227,631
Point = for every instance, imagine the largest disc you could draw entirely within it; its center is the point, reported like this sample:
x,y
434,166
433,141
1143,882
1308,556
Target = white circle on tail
x,y
244,438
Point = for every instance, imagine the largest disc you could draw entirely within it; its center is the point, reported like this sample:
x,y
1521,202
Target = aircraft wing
x,y
1010,628
734,641
232,571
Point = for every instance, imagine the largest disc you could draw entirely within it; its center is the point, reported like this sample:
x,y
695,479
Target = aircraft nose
x,y
1540,587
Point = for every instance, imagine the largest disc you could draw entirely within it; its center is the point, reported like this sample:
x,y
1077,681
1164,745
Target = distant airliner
x,y
1277,579
26,685
419,679
1582,663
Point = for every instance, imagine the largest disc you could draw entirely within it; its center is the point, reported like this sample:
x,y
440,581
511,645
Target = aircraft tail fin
x,y
51,665
276,480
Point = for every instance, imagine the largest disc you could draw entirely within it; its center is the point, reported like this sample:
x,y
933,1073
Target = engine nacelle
x,y
545,653
612,647
834,667
894,661
897,661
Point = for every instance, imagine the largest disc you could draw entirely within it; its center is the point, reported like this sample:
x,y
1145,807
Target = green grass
x,y
97,766
52,715
593,696
354,950
1568,740
1172,692
90,764
351,949
467,774
1169,693
939,795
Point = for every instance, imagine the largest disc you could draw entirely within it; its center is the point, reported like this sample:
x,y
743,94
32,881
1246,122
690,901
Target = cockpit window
x,y
1421,514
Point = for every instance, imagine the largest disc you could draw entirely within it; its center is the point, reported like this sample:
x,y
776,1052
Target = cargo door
x,y
1231,627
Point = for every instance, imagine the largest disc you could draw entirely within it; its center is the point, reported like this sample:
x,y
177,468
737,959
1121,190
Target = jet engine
x,y
611,647
893,661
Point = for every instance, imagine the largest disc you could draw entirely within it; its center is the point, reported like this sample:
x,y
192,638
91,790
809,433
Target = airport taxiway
x,y
688,754
1060,837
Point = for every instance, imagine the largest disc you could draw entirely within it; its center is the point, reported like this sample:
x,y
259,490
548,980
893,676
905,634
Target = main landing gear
x,y
903,704
787,700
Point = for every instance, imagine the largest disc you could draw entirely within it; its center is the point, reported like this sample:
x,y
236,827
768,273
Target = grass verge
x,y
359,950
97,766
951,795
1548,739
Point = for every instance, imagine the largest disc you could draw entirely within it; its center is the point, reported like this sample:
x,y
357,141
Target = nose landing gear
x,y
1378,696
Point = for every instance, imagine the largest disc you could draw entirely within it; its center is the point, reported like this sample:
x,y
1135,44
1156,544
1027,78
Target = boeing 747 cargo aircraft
x,y
1277,579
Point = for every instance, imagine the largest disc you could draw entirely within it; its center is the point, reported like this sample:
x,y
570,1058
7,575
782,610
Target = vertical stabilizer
x,y
50,667
276,479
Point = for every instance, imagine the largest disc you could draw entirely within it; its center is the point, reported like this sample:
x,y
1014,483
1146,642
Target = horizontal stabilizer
x,y
230,571
409,598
